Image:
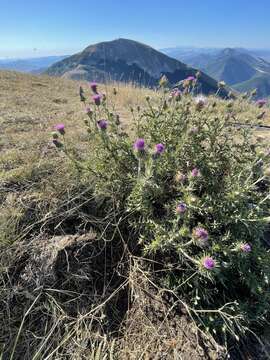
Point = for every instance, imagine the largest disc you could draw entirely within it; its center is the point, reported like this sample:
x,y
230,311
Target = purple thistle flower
x,y
245,248
200,234
181,208
200,102
190,78
88,111
93,86
208,263
195,172
176,94
97,99
60,128
260,103
102,124
57,143
159,149
139,145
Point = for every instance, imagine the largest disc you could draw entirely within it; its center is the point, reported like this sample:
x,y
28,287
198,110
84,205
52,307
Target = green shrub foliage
x,y
190,186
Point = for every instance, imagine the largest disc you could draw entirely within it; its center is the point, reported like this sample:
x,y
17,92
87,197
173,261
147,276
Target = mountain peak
x,y
126,60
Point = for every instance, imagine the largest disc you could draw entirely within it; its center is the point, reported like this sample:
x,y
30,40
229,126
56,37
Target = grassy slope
x,y
29,107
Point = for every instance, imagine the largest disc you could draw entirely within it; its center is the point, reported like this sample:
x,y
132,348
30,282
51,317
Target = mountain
x,y
126,60
192,56
30,65
239,68
236,66
259,82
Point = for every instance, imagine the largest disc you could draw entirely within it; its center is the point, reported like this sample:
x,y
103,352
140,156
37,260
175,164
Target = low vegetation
x,y
133,222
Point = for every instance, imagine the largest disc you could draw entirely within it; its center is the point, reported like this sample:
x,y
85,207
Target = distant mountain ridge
x,y
126,60
30,65
238,67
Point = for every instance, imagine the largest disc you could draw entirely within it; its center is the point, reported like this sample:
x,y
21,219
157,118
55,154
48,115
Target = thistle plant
x,y
192,191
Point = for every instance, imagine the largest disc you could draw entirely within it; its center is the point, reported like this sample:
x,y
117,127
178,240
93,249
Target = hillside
x,y
108,233
260,82
126,60
239,68
234,66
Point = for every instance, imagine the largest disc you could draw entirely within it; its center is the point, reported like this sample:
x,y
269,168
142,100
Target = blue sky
x,y
37,28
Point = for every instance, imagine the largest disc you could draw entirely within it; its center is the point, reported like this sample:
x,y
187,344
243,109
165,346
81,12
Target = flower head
x,y
195,172
102,124
159,149
260,103
93,86
221,84
181,208
139,144
88,111
97,99
180,177
200,102
60,128
163,81
208,263
57,143
193,130
176,94
245,247
55,135
190,78
200,234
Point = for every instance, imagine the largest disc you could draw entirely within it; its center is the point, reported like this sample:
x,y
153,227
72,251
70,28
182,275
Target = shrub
x,y
190,188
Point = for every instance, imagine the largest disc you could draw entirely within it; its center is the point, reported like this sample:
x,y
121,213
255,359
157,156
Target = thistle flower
x,y
159,149
88,111
176,94
102,124
60,128
267,152
267,172
81,92
163,81
245,247
181,208
200,234
260,103
208,263
180,177
93,86
57,143
254,92
195,172
200,102
97,99
193,130
221,84
139,145
190,78
55,135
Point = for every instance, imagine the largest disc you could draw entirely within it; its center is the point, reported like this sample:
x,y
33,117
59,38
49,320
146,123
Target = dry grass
x,y
29,107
